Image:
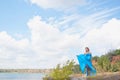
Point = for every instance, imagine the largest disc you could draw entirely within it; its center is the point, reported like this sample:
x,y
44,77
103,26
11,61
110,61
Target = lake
x,y
21,76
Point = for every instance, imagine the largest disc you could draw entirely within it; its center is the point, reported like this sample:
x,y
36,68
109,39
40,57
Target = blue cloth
x,y
85,63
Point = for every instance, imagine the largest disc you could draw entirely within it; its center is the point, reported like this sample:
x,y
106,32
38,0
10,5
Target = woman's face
x,y
86,49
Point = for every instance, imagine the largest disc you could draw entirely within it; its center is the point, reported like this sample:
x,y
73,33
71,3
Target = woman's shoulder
x,y
87,53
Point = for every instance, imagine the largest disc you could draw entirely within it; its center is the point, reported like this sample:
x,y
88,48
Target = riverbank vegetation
x,y
110,62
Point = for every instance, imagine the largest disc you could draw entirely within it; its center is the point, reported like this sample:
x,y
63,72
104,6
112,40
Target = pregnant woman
x,y
85,63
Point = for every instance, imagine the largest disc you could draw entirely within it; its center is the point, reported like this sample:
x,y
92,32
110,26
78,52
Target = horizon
x,y
41,34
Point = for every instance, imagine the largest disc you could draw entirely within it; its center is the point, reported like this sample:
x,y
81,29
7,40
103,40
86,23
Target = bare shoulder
x,y
87,53
90,53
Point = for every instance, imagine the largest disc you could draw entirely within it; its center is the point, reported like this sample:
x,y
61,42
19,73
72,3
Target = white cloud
x,y
48,45
11,49
58,4
7,41
103,39
48,41
45,35
81,24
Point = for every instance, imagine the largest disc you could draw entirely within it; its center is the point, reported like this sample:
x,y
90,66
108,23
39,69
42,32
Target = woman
x,y
85,63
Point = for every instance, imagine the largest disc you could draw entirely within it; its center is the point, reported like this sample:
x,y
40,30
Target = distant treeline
x,y
25,70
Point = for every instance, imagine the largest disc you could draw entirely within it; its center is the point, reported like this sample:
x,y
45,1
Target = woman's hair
x,y
87,48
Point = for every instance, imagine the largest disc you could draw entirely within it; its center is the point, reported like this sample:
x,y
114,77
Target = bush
x,y
62,73
115,67
76,69
104,63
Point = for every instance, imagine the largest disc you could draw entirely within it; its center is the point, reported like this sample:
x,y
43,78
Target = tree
x,y
112,53
117,52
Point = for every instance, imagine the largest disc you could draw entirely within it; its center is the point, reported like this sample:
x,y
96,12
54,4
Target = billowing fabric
x,y
85,62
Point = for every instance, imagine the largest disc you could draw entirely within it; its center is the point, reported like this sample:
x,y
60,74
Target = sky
x,y
43,33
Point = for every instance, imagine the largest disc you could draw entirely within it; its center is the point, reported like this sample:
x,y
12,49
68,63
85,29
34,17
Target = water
x,y
21,76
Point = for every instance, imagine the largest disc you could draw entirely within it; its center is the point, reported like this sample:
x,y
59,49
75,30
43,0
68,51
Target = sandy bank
x,y
100,76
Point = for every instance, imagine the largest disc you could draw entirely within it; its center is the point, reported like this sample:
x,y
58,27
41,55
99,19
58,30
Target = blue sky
x,y
34,31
